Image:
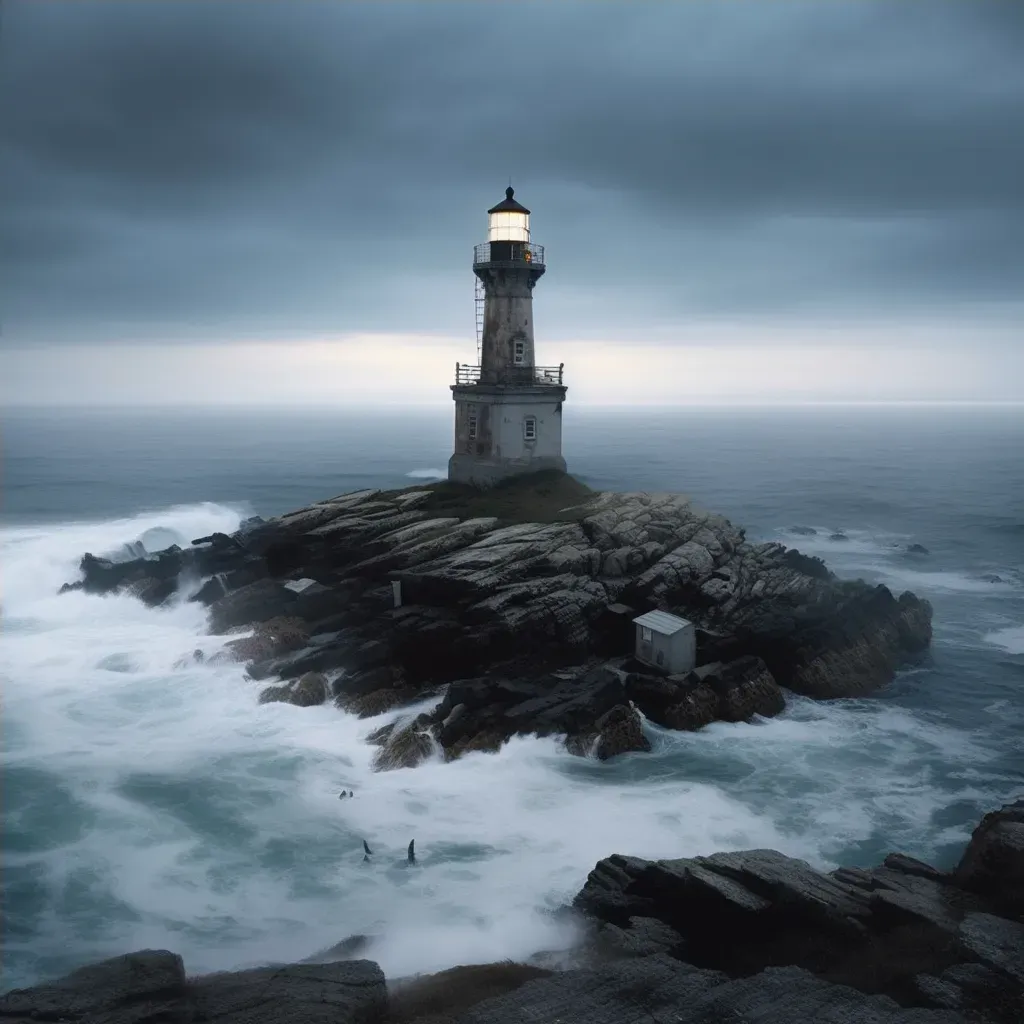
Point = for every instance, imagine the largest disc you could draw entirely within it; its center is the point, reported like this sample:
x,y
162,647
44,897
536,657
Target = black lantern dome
x,y
509,204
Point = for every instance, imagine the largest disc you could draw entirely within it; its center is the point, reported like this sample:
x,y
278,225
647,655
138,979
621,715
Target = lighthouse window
x,y
519,352
472,424
530,428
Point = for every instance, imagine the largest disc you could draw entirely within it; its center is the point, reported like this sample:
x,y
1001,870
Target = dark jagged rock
x,y
150,987
996,942
635,989
659,990
253,603
913,866
151,591
977,991
993,863
403,746
534,584
141,988
442,998
619,731
588,706
273,638
744,688
103,576
733,691
377,702
344,992
348,949
809,565
697,707
307,691
905,929
210,592
643,936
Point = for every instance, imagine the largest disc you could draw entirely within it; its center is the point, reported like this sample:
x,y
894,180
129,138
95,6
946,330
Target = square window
x,y
530,428
519,352
645,634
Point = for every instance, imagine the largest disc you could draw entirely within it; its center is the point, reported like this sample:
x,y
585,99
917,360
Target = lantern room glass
x,y
508,226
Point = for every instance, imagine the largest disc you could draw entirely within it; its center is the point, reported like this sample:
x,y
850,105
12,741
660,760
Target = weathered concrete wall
x,y
509,427
483,443
508,318
501,446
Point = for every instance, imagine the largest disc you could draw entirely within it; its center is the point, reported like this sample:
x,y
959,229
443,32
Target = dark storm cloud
x,y
218,169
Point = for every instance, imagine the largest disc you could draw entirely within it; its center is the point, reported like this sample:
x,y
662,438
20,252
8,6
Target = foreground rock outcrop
x,y
151,986
516,607
905,930
994,862
751,936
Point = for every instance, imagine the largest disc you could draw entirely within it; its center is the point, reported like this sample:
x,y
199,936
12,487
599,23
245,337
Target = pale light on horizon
x,y
365,370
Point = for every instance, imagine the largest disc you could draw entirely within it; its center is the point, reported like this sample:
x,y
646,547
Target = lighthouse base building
x,y
500,432
508,410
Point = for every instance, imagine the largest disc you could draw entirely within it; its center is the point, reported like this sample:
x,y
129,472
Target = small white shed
x,y
666,641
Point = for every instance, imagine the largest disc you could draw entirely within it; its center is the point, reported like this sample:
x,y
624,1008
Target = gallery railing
x,y
522,376
508,254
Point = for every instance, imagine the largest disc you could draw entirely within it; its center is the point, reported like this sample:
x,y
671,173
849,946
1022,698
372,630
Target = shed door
x,y
645,650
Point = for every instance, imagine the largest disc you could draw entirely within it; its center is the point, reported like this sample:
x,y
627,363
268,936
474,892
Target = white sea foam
x,y
883,555
924,582
163,806
847,543
1010,639
427,474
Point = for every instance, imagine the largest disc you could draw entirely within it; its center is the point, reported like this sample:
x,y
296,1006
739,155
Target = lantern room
x,y
508,234
509,221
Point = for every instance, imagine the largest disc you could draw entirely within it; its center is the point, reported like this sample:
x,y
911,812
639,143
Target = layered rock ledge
x,y
951,941
750,936
516,611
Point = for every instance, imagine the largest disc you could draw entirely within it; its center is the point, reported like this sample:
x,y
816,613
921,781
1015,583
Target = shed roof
x,y
662,622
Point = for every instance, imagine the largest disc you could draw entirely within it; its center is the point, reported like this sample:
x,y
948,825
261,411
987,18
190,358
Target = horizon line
x,y
360,407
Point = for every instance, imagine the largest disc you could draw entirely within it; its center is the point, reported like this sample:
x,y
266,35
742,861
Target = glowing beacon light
x,y
509,221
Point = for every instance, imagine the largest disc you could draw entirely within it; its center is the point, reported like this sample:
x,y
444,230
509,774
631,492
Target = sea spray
x,y
427,474
1010,639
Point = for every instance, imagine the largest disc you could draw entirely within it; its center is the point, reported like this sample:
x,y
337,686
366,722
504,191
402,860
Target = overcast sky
x,y
251,201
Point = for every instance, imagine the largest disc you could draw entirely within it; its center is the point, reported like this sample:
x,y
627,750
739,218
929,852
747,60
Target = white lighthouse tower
x,y
508,410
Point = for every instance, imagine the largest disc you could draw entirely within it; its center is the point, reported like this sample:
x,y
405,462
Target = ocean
x,y
150,802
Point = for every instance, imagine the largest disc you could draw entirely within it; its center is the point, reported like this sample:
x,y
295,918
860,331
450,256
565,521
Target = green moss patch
x,y
545,497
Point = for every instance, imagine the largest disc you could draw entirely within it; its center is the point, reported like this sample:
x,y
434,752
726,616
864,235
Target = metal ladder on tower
x,y
479,299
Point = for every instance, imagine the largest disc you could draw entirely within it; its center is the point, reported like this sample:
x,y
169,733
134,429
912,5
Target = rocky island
x,y
513,606
752,937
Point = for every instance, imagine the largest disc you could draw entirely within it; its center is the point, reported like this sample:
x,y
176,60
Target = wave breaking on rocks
x,y
513,607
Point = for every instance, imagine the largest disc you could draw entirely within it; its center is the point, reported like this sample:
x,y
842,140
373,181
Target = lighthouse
x,y
508,410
